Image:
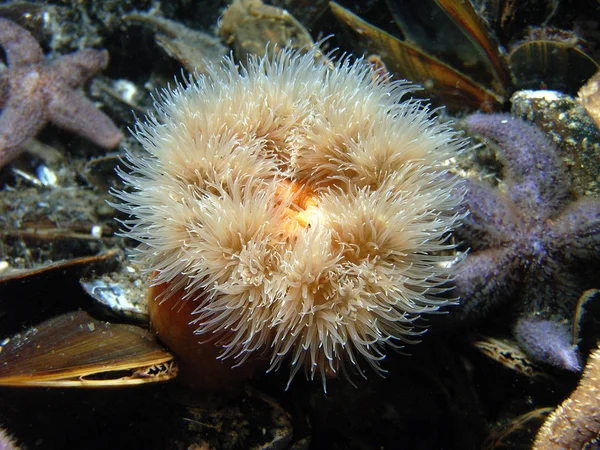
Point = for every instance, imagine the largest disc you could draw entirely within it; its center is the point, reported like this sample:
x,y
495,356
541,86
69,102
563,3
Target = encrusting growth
x,y
302,208
575,423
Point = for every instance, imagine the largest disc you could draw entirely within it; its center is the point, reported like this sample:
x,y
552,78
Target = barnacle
x,y
296,208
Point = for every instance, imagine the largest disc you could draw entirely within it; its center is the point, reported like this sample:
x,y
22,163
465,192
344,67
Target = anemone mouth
x,y
302,206
300,200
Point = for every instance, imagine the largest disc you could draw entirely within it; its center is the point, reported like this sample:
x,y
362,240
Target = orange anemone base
x,y
199,367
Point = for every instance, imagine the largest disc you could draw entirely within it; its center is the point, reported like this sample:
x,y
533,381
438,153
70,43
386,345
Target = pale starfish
x,y
34,92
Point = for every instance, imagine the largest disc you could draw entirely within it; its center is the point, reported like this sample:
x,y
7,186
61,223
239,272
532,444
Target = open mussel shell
x,y
426,25
448,86
547,64
76,350
474,29
509,18
454,32
75,265
508,354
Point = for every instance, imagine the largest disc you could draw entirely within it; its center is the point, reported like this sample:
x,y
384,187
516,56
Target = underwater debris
x,y
508,354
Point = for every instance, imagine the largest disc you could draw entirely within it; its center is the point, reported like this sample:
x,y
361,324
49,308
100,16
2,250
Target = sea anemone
x,y
301,205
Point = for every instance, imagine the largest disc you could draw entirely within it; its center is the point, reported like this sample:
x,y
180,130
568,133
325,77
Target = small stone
x,y
575,134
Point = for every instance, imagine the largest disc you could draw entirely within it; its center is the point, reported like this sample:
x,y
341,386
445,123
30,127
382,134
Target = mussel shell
x,y
77,264
427,26
76,350
475,30
454,32
120,292
508,354
509,18
546,64
29,296
449,87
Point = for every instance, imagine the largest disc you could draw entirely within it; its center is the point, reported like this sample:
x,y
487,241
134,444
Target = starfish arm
x,y
482,282
547,341
22,117
76,68
544,329
576,232
71,111
536,178
4,88
551,290
490,221
20,47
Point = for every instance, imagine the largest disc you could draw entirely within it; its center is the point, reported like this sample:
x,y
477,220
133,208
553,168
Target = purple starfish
x,y
531,242
34,92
